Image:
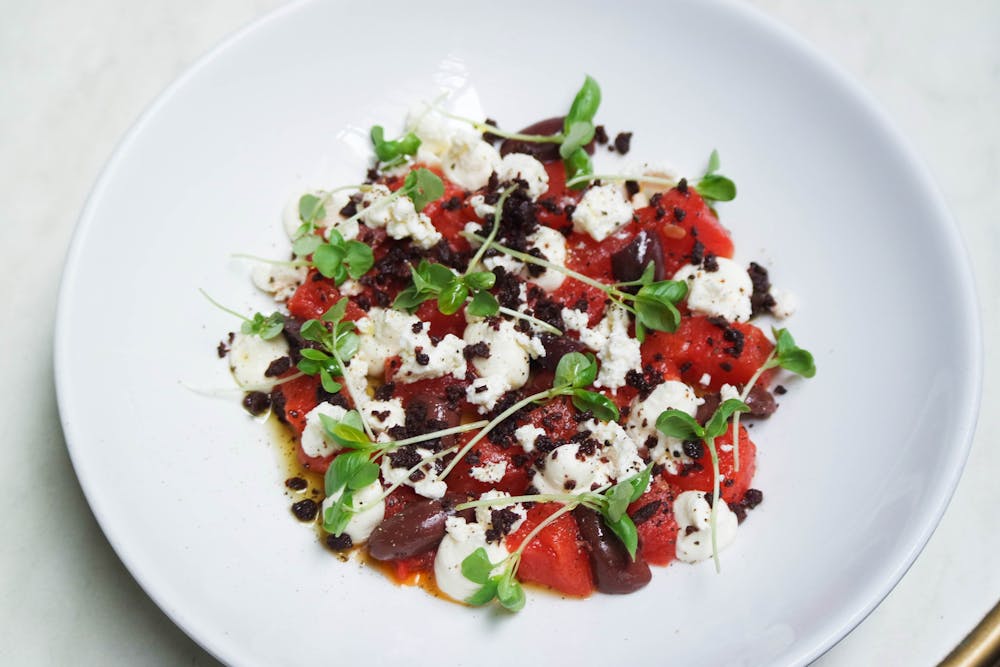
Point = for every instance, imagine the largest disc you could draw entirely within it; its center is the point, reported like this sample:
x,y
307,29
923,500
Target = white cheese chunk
x,y
460,540
724,292
617,351
620,450
601,212
423,360
381,336
526,168
510,352
469,161
482,209
575,320
332,205
484,514
785,303
383,415
427,486
692,510
485,392
489,473
641,423
527,435
249,358
552,245
315,441
278,280
370,510
568,470
399,217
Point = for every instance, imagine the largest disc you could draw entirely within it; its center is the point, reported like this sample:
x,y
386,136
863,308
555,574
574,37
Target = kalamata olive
x,y
556,347
614,571
437,413
416,528
707,408
544,152
761,403
628,263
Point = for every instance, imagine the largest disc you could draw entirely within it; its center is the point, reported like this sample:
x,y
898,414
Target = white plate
x,y
857,467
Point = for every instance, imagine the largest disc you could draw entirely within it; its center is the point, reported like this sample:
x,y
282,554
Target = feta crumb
x,y
692,510
620,450
785,303
350,288
398,216
728,391
482,209
705,380
470,161
527,435
460,540
485,392
510,351
381,336
484,515
509,264
617,351
601,212
641,423
333,205
278,280
384,415
427,486
423,360
315,441
575,320
552,245
370,508
249,358
490,473
724,292
525,167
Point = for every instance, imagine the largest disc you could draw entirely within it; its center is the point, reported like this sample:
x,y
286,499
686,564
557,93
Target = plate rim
x,y
956,251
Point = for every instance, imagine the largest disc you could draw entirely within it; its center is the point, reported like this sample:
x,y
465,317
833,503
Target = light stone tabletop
x,y
75,75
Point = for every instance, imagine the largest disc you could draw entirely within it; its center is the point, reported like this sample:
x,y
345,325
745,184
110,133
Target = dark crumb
x,y
646,512
421,357
256,402
632,188
780,390
296,483
694,449
761,300
679,214
711,263
350,208
623,142
489,136
404,457
569,484
417,327
685,367
222,350
690,529
385,392
726,366
568,209
452,204
697,253
480,349
454,393
660,212
752,498
600,135
278,367
709,498
305,510
682,187
340,542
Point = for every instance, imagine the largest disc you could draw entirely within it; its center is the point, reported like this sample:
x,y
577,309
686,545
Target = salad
x,y
509,368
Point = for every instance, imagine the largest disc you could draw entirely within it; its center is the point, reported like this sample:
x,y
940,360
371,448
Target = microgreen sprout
x,y
786,354
578,128
573,372
677,424
713,186
611,503
654,304
339,259
494,230
312,209
264,326
393,152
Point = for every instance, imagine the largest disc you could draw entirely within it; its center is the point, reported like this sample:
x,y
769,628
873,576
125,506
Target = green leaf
x,y
330,385
327,259
423,186
315,355
476,567
337,517
313,330
665,291
311,209
392,150
575,370
717,425
715,187
452,297
585,104
624,529
483,304
343,468
484,595
578,164
713,163
681,425
347,341
359,258
410,298
481,280
365,475
306,245
656,315
439,276
509,593
619,497
790,356
578,135
272,325
602,406
336,312
640,483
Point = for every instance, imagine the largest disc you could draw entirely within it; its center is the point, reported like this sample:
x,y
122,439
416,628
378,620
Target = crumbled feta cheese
x,y
659,169
381,336
370,508
398,216
422,359
785,303
617,351
433,130
482,209
620,449
485,392
601,211
484,515
383,415
315,442
460,540
278,280
692,510
724,292
350,288
552,245
575,320
568,470
527,435
490,473
510,352
333,204
728,391
526,168
509,264
470,161
641,423
427,486
249,358
705,379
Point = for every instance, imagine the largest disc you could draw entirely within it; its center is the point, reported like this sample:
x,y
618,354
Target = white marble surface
x,y
74,76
